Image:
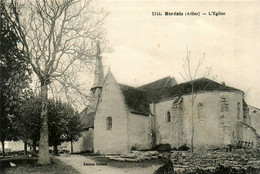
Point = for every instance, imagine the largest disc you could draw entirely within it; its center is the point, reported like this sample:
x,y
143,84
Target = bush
x,y
133,148
184,148
166,168
163,148
64,151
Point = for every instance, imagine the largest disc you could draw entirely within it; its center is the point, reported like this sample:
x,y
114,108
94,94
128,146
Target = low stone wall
x,y
138,156
210,160
185,160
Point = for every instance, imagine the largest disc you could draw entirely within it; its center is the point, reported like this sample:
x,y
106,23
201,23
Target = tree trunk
x,y
44,156
192,118
71,146
55,150
25,148
34,148
192,130
3,148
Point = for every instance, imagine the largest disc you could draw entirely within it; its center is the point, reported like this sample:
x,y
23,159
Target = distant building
x,y
13,146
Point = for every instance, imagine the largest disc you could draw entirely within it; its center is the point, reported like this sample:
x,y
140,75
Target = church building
x,y
121,118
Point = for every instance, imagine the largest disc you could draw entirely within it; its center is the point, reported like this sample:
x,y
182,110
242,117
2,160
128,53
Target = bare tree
x,y
58,37
190,75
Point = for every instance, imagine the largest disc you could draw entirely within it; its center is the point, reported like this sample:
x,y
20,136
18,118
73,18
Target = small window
x,y
200,111
238,110
109,123
168,117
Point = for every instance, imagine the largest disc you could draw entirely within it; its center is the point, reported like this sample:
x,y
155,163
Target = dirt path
x,y
77,162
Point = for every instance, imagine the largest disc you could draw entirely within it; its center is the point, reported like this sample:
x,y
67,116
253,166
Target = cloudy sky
x,y
146,48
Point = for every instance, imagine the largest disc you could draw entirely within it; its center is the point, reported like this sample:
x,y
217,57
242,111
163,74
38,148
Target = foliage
x,y
64,123
14,77
163,148
167,168
74,129
28,121
184,148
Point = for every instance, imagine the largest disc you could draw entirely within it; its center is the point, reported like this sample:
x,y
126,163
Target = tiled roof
x,y
202,84
161,83
87,119
138,99
135,99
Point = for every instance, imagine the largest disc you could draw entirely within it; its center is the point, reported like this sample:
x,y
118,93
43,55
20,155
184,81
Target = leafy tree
x,y
28,121
57,37
57,121
14,78
74,129
64,123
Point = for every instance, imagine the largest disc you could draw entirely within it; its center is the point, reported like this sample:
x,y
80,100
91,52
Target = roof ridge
x,y
121,84
155,81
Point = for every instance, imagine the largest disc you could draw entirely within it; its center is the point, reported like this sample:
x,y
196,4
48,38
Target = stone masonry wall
x,y
111,104
138,132
85,143
210,160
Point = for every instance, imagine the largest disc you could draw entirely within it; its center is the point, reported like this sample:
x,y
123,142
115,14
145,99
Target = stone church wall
x,y
216,123
254,114
216,114
163,128
112,105
250,137
85,143
138,132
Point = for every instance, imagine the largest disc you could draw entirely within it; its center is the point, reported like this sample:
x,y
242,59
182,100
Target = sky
x,y
146,48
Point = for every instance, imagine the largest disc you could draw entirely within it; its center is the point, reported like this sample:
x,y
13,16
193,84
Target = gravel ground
x,y
93,167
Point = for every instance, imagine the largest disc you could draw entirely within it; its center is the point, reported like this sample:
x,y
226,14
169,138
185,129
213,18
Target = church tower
x,y
98,83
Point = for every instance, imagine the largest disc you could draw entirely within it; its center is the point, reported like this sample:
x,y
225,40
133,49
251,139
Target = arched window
x,y
109,123
168,117
238,111
200,111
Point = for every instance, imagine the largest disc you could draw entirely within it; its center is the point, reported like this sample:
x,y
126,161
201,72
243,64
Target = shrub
x,y
184,148
167,168
133,148
163,148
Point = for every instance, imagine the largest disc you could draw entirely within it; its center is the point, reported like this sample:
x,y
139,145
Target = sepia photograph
x,y
136,87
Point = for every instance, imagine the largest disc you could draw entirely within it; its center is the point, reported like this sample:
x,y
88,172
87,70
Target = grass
x,y
127,164
26,165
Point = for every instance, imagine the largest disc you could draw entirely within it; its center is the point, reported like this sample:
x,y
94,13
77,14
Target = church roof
x,y
87,119
161,83
99,74
135,99
138,99
154,90
202,84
